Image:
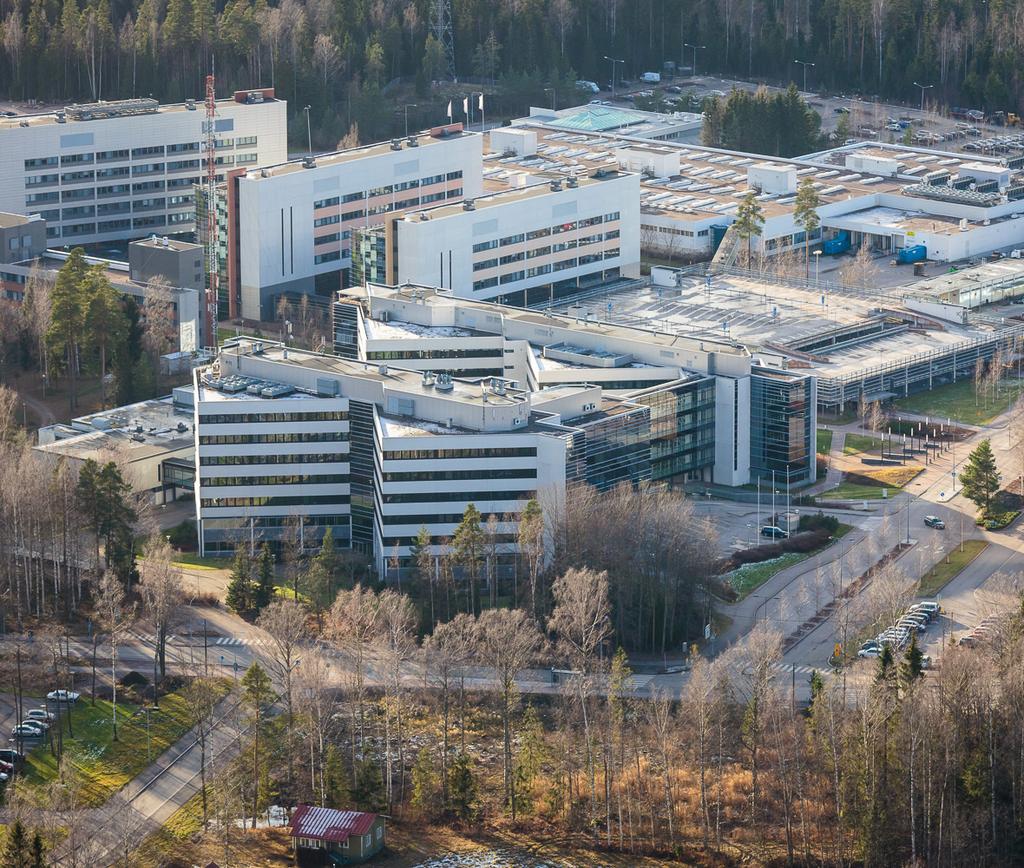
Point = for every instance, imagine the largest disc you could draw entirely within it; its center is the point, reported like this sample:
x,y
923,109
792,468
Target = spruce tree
x,y
469,548
38,855
263,588
980,476
239,592
462,787
16,853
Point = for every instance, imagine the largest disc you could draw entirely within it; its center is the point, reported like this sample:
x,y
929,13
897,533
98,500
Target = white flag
x,y
465,105
480,102
449,109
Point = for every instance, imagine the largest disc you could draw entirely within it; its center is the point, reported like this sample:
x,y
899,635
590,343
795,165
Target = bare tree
x,y
507,640
116,617
354,621
162,597
201,698
396,624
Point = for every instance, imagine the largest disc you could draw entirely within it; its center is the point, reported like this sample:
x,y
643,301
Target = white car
x,y
40,714
63,696
3,777
866,653
42,726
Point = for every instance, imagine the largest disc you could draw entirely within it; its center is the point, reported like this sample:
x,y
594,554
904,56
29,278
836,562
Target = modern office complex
x,y
699,391
119,170
286,228
531,239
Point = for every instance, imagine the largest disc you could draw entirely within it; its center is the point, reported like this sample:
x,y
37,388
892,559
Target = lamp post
x,y
695,48
407,107
923,87
613,61
817,262
551,90
804,64
309,130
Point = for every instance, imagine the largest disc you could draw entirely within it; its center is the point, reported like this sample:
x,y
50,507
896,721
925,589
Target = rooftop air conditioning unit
x,y
589,408
190,104
382,370
396,144
412,142
468,205
556,186
308,163
571,182
61,117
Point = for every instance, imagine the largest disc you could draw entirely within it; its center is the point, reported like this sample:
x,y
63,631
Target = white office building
x,y
528,239
124,169
289,226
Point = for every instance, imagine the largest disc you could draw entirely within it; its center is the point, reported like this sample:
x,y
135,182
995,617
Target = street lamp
x,y
409,106
804,64
613,61
309,131
551,90
923,87
695,49
817,262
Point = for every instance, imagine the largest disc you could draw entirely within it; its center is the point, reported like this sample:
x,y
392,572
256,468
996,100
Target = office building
x,y
535,238
124,169
287,227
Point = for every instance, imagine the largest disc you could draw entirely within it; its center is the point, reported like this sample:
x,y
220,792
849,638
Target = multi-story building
x,y
697,391
127,168
782,425
544,237
288,226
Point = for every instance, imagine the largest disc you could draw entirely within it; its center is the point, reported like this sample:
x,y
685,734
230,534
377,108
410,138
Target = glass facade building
x,y
682,428
782,420
613,448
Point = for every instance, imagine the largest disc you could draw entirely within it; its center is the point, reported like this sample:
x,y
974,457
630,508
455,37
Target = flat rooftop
x,y
236,388
709,181
596,118
398,330
336,158
1010,270
8,220
50,117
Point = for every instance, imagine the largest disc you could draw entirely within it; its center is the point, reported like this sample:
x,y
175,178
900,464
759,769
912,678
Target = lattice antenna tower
x,y
212,285
441,17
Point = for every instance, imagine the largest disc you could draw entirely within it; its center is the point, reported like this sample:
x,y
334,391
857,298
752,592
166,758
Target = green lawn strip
x,y
286,592
749,577
856,443
958,401
103,765
191,559
824,441
942,573
855,491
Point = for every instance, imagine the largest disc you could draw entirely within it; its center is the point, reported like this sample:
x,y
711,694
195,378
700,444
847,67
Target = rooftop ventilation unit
x,y
556,186
308,163
469,205
444,383
571,182
412,142
382,370
396,144
428,380
190,104
60,117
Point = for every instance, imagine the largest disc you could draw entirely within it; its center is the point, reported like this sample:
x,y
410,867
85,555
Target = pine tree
x,y
16,853
980,476
912,667
67,317
38,855
263,587
749,220
106,325
805,214
462,787
426,789
322,576
469,547
239,592
368,791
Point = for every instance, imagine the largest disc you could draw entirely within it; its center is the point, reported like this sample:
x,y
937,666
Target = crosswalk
x,y
800,669
212,641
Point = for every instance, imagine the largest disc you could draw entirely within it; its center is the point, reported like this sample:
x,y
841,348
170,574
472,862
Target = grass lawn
x,y
824,441
957,401
855,491
191,559
942,573
856,443
104,766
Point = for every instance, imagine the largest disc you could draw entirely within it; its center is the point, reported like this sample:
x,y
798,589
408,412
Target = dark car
x,y
773,532
935,522
11,756
842,110
673,88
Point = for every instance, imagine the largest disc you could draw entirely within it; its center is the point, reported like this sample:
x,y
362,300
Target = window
x,y
40,162
432,179
512,277
79,212
564,264
538,270
327,221
512,257
610,217
538,251
240,439
326,203
591,221
246,159
39,198
484,264
451,176
148,169
114,190
454,194
321,258
243,141
352,197
326,239
41,180
76,177
76,160
114,172
154,151
353,215
485,284
512,239
184,148
147,187
105,209
107,156
379,191
485,245
179,165
563,227
537,233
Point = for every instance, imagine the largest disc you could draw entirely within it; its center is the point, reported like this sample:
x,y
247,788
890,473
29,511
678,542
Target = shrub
x,y
184,536
819,521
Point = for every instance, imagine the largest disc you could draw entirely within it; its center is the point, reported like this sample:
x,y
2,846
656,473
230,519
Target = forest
x,y
348,59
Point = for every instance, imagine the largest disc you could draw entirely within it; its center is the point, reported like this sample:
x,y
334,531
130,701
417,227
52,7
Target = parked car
x,y
23,731
967,641
869,653
773,532
9,755
7,767
63,696
912,624
930,608
841,110
41,725
40,714
673,88
893,127
4,777
935,522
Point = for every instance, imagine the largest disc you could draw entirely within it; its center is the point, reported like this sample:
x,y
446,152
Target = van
x,y
650,78
590,86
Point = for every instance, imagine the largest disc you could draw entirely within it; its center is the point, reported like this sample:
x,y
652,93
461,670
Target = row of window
x,y
439,518
291,458
305,437
534,234
451,475
298,500
466,496
135,153
245,418
262,522
442,454
290,479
